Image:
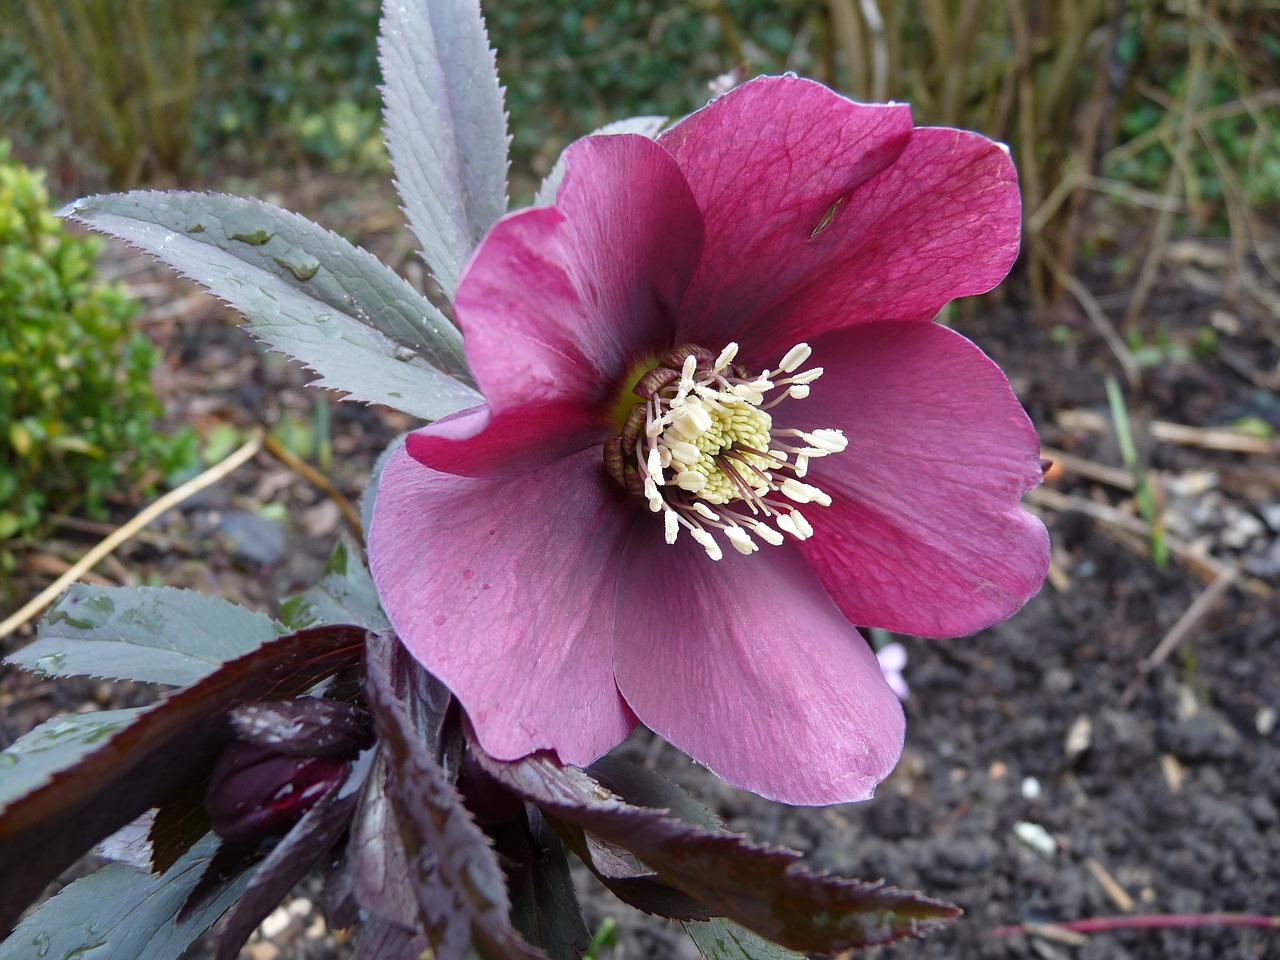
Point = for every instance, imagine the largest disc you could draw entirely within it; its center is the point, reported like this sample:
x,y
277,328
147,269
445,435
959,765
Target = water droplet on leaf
x,y
254,238
51,663
301,264
405,353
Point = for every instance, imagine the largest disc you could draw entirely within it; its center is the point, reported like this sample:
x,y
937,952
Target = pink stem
x,y
1153,921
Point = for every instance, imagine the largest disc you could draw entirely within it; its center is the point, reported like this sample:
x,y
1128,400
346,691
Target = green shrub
x,y
76,405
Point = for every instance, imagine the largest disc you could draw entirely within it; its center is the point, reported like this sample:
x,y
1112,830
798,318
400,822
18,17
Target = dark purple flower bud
x,y
256,793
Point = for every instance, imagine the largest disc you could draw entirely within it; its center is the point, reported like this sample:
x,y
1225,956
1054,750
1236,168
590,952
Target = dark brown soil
x,y
1021,732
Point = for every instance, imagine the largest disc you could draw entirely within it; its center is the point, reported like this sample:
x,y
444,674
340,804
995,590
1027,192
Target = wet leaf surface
x,y
104,781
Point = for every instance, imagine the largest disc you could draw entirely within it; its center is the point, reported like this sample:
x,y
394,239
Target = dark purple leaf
x,y
462,898
338,901
151,759
644,788
305,727
378,866
180,821
544,906
310,839
763,889
379,940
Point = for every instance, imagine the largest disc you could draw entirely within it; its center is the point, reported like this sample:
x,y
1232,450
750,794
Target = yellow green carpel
x,y
626,397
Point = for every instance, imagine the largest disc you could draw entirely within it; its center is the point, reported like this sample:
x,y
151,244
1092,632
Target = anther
x,y
794,357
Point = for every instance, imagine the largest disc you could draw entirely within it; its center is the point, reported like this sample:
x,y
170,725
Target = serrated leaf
x,y
764,889
34,759
446,127
128,769
460,889
120,913
721,939
345,594
304,290
645,126
151,634
378,864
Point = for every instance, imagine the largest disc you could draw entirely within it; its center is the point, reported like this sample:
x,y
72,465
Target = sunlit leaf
x,y
446,127
151,634
33,760
304,290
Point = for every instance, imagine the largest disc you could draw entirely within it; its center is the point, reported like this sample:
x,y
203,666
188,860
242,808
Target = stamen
x,y
708,440
794,357
708,543
672,522
740,540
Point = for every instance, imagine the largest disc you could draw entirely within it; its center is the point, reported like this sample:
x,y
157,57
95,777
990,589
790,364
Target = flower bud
x,y
256,793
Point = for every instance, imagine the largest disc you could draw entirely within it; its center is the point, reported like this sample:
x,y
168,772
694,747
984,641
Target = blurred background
x,y
1131,709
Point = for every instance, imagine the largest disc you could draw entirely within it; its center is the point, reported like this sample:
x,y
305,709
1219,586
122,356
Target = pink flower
x,y
523,549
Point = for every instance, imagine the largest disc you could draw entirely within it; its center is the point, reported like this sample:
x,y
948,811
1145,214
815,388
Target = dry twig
x,y
170,500
1179,631
318,479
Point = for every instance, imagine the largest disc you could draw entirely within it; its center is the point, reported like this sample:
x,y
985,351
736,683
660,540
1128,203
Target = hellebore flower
x,y
662,512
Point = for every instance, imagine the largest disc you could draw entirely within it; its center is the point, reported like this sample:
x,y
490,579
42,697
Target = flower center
x,y
701,448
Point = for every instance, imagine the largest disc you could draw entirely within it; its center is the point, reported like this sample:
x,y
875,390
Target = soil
x,y
1032,788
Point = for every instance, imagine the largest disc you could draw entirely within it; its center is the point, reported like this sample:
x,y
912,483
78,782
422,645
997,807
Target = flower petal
x,y
746,665
926,533
942,222
834,212
476,443
502,588
559,302
766,161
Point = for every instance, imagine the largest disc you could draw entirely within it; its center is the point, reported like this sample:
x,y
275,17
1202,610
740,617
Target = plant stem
x,y
1153,921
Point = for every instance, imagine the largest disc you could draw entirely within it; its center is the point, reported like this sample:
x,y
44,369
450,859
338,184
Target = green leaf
x,y
34,759
345,594
304,291
92,780
120,913
371,488
644,126
721,939
149,634
446,127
